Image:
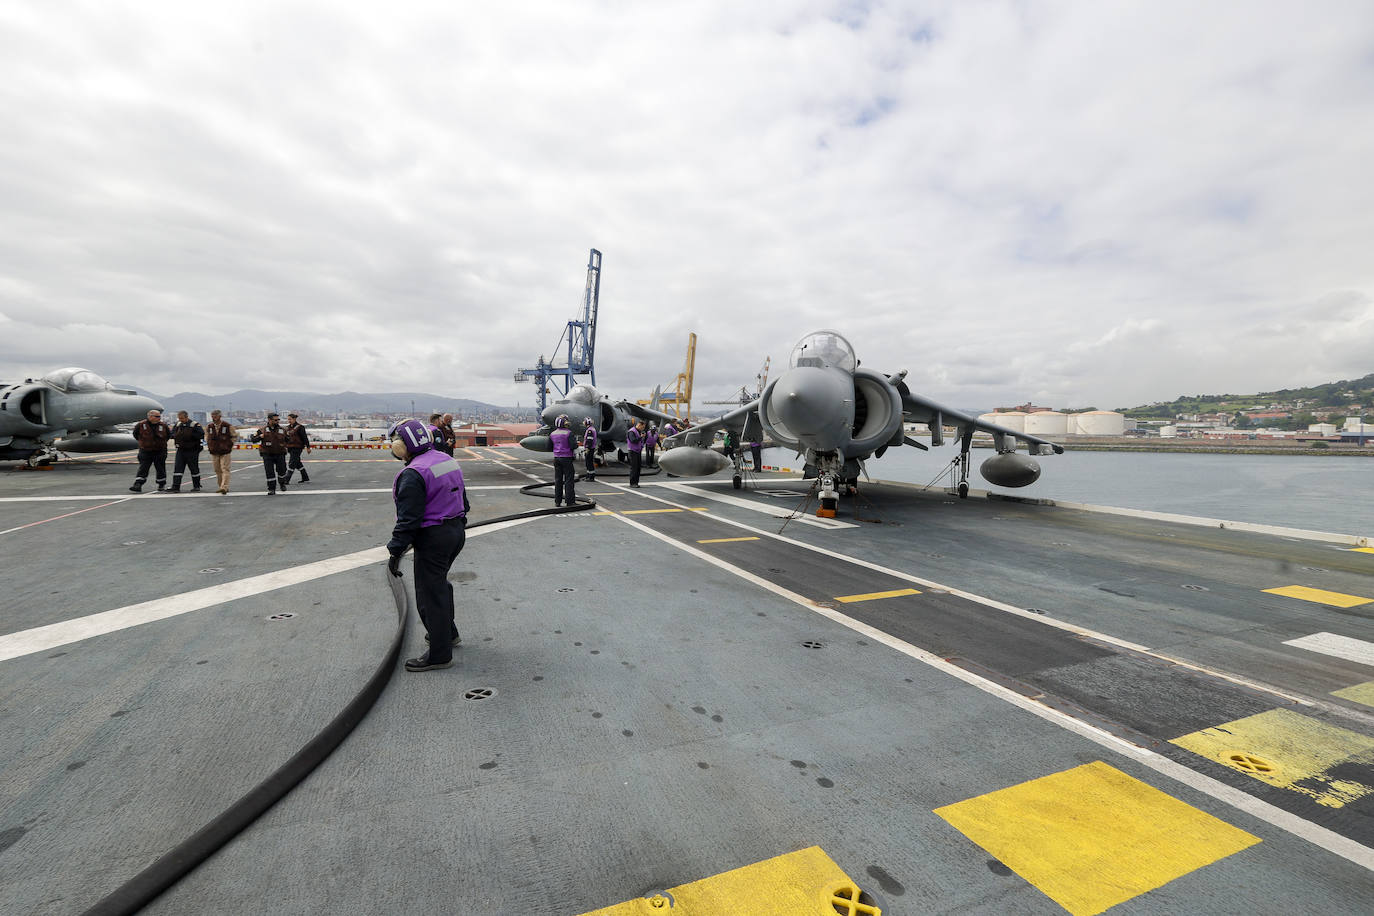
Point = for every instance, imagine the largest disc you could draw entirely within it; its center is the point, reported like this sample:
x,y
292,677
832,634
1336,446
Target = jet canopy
x,y
824,349
74,379
584,394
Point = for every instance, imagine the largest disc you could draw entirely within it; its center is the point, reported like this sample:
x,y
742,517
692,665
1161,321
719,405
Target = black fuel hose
x,y
142,888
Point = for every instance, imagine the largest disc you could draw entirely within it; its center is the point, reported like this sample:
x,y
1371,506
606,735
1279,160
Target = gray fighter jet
x,y
67,410
836,414
612,419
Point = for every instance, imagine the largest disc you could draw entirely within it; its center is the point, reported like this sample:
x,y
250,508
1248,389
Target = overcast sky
x,y
1072,203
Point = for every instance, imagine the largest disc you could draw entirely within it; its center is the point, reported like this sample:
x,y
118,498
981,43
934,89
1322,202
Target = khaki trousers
x,y
222,469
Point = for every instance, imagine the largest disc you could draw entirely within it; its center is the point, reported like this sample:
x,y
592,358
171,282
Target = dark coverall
x,y
152,450
297,440
188,436
634,442
436,547
272,449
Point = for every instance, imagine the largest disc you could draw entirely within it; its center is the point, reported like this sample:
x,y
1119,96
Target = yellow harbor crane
x,y
678,400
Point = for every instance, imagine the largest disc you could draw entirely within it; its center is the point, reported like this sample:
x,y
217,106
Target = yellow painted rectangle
x,y
1303,593
874,596
1360,693
647,511
725,540
801,882
1291,751
1363,549
1092,837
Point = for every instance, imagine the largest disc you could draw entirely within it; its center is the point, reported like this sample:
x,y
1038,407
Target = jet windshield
x,y
584,394
824,349
74,379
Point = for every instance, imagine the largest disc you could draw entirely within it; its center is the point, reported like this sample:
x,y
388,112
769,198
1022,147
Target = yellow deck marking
x,y
798,882
610,493
1360,693
1302,750
1363,549
646,511
725,540
873,596
1303,593
1092,837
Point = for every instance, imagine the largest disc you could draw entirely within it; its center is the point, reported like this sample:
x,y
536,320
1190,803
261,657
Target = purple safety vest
x,y
589,438
651,439
669,430
634,440
443,485
562,440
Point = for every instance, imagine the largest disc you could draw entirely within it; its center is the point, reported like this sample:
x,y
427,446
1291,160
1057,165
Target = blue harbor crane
x,y
580,337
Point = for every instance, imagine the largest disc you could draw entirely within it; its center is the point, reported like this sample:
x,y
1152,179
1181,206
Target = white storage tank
x,y
1047,423
1168,432
1099,423
1011,419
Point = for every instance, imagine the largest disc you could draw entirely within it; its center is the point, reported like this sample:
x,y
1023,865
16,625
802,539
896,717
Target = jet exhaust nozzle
x,y
1010,470
689,461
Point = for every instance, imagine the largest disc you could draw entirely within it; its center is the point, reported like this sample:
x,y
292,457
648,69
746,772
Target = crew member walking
x,y
589,445
650,443
219,440
297,439
152,435
431,515
188,436
271,441
634,443
447,440
563,473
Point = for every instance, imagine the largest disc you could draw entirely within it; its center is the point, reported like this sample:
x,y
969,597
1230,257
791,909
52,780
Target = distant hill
x,y
1331,396
253,400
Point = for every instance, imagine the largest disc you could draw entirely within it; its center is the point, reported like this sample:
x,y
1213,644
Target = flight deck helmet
x,y
561,422
410,438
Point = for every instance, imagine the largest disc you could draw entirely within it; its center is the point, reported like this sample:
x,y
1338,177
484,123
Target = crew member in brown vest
x,y
297,439
271,441
152,435
188,436
219,439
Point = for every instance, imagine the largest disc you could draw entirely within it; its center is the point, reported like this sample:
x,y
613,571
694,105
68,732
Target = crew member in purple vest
x,y
756,448
650,443
431,516
563,473
589,439
669,430
634,444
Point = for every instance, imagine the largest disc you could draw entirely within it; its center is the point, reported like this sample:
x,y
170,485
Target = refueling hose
x,y
140,890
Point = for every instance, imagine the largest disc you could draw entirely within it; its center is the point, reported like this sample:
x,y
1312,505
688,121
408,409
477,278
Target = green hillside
x,y
1333,397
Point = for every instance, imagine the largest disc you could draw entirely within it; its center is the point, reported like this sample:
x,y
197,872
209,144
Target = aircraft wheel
x,y
963,491
620,454
828,507
736,481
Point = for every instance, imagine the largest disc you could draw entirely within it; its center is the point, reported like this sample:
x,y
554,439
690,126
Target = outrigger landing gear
x,y
963,462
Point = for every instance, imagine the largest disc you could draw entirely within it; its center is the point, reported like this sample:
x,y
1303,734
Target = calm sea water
x,y
1297,491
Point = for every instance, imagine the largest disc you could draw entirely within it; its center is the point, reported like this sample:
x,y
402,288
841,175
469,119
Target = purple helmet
x,y
414,434
561,422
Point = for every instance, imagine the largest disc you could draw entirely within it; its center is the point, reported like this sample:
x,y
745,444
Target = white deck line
x,y
210,493
1352,650
40,639
1290,823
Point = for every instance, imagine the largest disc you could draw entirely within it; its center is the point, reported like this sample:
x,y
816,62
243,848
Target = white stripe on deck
x,y
40,639
774,510
1352,650
210,493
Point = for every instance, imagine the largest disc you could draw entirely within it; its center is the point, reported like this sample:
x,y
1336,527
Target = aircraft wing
x,y
648,414
743,421
918,409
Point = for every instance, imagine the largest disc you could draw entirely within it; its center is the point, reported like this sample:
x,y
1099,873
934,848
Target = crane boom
x,y
580,335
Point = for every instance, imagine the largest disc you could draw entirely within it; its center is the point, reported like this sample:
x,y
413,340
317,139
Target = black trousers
x,y
159,462
294,464
436,547
275,468
635,459
649,454
188,459
591,461
758,457
563,477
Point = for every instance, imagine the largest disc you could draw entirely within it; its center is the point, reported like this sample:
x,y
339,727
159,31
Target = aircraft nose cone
x,y
810,401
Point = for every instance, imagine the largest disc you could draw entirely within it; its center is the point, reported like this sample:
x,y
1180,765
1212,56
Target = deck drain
x,y
286,616
567,588
812,644
848,900
1249,762
133,543
1197,588
1312,568
1060,544
936,556
1036,610
212,569
480,693
828,604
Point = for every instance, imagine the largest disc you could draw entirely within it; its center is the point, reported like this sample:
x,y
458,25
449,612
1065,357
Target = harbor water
x,y
1316,492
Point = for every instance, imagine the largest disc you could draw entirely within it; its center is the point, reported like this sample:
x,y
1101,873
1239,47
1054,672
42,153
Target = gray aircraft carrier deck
x,y
666,705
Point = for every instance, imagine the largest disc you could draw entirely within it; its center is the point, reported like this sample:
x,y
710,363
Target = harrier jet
x,y
612,419
837,414
68,410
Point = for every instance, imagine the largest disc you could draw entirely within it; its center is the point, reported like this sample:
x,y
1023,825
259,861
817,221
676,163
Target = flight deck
x,y
687,699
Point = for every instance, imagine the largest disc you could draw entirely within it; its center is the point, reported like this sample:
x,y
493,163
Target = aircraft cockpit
x,y
584,394
824,349
75,379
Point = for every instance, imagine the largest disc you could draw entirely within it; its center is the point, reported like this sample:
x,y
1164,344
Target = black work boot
x,y
195,484
161,485
137,487
288,477
305,478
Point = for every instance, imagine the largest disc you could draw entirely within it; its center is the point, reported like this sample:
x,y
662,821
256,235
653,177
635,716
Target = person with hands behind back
x,y
431,517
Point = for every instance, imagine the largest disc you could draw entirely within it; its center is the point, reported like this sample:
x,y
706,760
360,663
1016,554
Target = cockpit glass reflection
x,y
824,349
75,379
